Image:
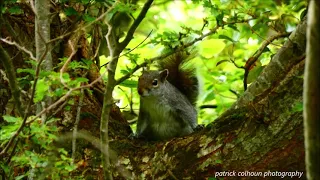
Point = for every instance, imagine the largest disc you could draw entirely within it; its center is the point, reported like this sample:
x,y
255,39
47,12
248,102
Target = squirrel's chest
x,y
160,113
162,122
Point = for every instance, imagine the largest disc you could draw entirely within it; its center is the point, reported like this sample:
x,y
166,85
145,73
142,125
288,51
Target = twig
x,y
59,109
75,130
8,66
79,28
133,48
257,54
19,47
12,152
138,44
63,69
135,25
207,106
107,102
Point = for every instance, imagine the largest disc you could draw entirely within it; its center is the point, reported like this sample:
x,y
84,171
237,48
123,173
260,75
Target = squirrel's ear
x,y
145,69
164,74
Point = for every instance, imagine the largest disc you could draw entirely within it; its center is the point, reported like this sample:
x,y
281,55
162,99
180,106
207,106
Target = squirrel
x,y
167,100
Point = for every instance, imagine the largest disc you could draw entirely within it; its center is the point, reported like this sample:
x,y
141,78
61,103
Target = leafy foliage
x,y
37,153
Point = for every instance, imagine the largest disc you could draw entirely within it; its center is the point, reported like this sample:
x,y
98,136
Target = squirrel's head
x,y
150,82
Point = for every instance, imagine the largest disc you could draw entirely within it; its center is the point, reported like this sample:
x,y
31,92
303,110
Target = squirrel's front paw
x,y
199,127
133,136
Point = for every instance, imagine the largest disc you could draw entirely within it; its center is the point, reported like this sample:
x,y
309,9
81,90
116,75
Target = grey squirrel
x,y
167,100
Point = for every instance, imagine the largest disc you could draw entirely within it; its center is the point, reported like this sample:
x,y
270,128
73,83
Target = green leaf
x,y
12,119
27,70
123,71
226,37
41,90
298,107
15,10
254,73
209,96
222,61
129,83
21,176
85,1
88,18
233,27
70,11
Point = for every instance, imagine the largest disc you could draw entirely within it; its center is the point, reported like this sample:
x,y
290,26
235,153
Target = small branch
x,y
79,28
75,129
8,66
208,106
64,67
59,109
138,44
251,61
12,152
135,25
131,49
19,47
107,102
115,49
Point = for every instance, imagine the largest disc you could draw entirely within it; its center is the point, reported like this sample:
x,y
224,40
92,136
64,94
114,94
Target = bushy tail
x,y
181,76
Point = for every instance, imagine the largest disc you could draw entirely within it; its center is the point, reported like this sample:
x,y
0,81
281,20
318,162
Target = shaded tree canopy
x,y
69,100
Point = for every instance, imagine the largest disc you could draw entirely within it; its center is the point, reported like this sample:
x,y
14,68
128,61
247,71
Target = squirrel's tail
x,y
182,77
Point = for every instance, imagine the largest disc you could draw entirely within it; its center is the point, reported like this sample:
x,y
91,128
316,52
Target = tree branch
x,y
7,63
20,47
135,25
258,53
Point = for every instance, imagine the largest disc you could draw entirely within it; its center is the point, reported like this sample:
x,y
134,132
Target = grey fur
x,y
164,111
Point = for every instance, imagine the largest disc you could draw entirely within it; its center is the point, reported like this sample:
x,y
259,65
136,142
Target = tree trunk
x,y
43,51
311,95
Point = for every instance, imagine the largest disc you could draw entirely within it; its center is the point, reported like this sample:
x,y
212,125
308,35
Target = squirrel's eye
x,y
155,82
